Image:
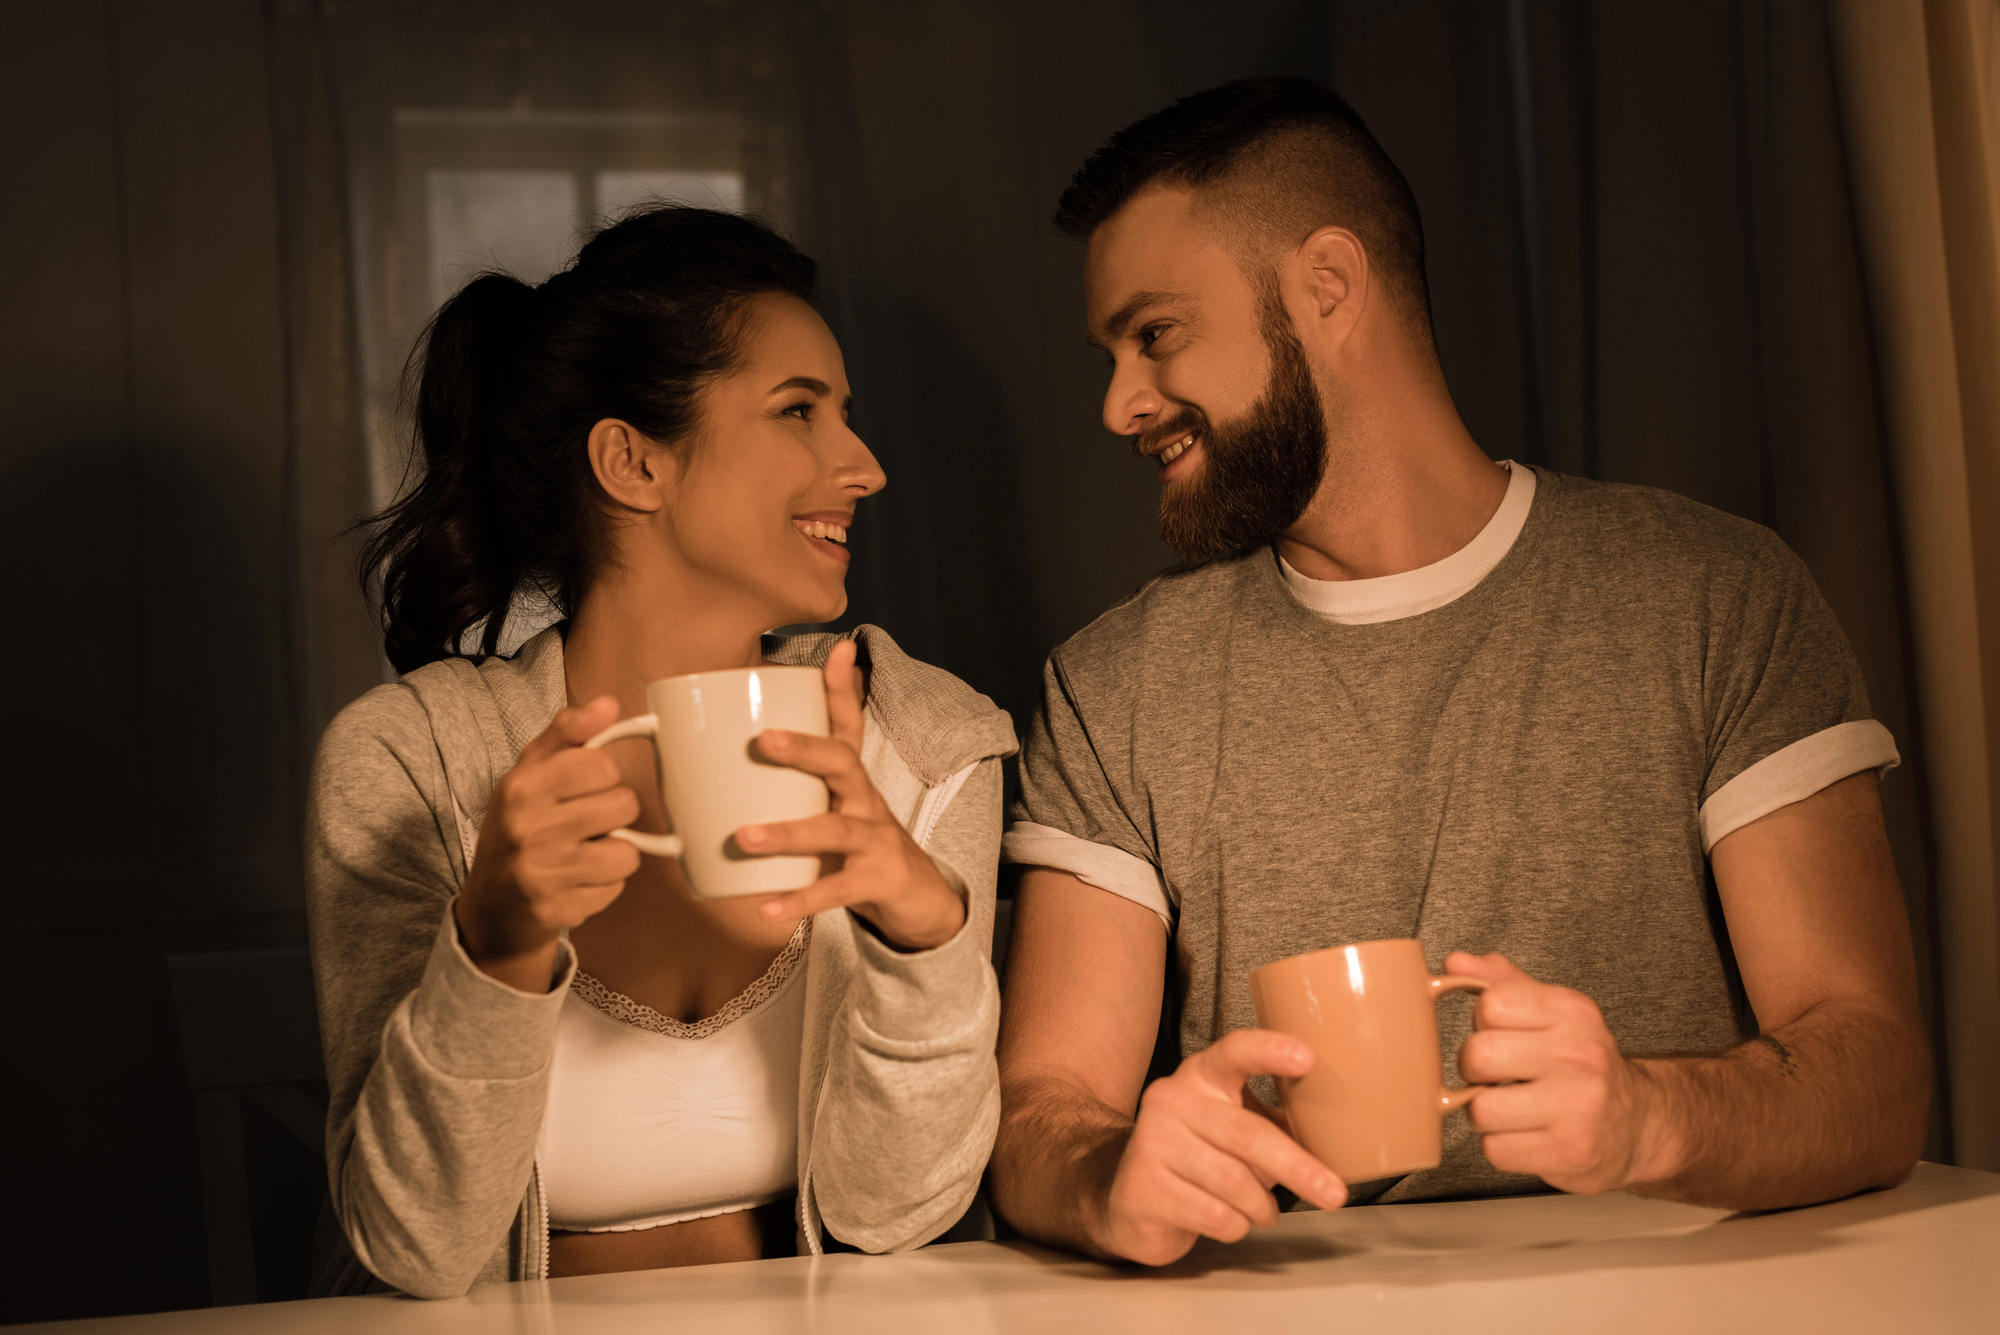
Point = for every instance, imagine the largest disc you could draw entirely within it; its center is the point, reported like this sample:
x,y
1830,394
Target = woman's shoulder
x,y
462,719
385,726
938,723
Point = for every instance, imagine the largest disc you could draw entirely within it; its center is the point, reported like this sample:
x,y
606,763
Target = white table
x,y
1924,1256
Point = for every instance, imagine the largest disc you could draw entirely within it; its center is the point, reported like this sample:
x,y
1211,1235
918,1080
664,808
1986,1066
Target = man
x,y
1609,737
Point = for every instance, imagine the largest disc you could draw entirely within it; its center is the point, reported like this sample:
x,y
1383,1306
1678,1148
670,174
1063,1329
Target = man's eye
x,y
1151,334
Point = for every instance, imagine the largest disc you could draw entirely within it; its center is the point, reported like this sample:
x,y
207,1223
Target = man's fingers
x,y
1508,1108
843,695
1525,1004
1494,968
571,727
1179,1204
1269,1152
1242,1053
1491,1056
1226,1178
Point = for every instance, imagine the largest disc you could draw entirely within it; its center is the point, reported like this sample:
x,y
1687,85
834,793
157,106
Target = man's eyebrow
x,y
1124,315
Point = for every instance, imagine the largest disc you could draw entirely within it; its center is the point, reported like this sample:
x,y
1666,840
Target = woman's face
x,y
767,492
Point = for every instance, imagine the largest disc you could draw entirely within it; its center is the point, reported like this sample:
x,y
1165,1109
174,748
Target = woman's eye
x,y
802,411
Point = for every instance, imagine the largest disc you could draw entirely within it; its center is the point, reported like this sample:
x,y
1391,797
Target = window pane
x,y
520,221
705,189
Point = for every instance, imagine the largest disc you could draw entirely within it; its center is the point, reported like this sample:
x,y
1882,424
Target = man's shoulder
x,y
1658,533
1166,613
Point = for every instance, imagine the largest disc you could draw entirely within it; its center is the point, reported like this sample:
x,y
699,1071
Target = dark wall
x,y
153,804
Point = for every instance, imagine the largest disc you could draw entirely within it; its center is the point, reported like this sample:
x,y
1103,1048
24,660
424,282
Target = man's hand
x,y
1582,1117
1200,1163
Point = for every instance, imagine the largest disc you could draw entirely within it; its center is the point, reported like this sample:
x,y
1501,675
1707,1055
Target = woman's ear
x,y
632,469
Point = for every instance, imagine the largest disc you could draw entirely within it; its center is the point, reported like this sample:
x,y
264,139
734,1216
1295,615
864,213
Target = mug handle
x,y
648,726
1443,985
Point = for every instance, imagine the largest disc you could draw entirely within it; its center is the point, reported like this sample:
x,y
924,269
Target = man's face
x,y
1208,378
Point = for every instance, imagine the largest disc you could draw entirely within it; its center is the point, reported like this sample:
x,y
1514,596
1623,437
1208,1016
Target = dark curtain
x,y
1643,265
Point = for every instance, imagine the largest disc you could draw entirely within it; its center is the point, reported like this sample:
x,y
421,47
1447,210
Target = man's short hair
x,y
1275,159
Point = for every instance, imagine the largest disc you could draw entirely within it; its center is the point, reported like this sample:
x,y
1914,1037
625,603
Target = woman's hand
x,y
541,866
883,875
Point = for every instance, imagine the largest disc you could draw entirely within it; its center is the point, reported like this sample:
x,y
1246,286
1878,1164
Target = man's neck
x,y
1398,494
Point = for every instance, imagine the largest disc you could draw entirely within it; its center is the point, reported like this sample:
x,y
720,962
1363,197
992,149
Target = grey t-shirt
x,y
1518,770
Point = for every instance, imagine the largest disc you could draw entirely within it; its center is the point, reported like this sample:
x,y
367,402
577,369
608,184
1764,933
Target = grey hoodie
x,y
439,1074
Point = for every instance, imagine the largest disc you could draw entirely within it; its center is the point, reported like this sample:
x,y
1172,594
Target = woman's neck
x,y
633,630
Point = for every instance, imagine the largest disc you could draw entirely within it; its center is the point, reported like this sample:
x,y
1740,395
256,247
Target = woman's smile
x,y
825,531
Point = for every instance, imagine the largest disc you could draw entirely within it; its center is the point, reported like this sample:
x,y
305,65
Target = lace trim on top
x,y
641,1016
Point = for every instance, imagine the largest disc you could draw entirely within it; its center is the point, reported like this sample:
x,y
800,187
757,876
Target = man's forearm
x,y
1054,1160
1828,1105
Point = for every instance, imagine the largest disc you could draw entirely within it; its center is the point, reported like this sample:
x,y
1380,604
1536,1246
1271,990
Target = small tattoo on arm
x,y
1785,1062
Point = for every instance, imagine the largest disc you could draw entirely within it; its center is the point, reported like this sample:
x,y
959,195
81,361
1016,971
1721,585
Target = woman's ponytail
x,y
442,549
505,385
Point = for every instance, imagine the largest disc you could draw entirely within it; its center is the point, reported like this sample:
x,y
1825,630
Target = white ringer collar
x,y
1362,602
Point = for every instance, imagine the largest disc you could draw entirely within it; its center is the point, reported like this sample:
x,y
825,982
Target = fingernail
x,y
776,740
774,909
750,834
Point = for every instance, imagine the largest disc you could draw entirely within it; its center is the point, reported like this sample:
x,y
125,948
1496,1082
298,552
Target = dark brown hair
x,y
1277,158
508,381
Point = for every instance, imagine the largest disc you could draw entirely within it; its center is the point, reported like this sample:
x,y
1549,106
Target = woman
x,y
545,1056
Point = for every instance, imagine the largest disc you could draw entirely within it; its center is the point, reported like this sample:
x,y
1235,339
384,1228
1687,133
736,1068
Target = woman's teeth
x,y
1176,450
813,528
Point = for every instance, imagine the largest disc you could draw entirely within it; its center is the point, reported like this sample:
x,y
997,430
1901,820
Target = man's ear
x,y
1335,266
632,469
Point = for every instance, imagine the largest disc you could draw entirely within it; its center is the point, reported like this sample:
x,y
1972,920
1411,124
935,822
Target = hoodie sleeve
x,y
438,1073
911,1100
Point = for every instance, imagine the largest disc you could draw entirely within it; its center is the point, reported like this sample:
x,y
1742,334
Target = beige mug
x,y
703,727
1372,1105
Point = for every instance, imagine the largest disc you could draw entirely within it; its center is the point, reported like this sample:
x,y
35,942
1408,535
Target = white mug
x,y
704,727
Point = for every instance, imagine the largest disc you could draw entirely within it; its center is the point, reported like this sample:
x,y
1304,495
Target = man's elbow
x,y
1906,1108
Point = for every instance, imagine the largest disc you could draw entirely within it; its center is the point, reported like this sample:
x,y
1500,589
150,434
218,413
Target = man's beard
x,y
1259,472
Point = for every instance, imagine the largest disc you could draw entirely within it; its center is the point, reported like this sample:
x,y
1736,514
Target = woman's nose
x,y
858,471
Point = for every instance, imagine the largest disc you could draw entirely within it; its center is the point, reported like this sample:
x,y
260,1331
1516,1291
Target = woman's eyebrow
x,y
805,382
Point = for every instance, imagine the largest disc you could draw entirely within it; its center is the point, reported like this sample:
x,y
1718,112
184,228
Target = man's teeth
x,y
1175,450
813,528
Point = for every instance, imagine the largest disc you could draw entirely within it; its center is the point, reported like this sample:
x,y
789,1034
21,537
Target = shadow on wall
x,y
153,810
973,495
157,789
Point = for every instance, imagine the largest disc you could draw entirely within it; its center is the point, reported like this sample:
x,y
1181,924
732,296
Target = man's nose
x,y
1130,402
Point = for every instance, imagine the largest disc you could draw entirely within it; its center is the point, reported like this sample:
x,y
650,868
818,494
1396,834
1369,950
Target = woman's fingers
x,y
833,832
828,892
586,818
843,695
825,758
571,727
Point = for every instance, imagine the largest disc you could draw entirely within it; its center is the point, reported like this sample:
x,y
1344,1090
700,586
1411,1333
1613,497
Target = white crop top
x,y
651,1121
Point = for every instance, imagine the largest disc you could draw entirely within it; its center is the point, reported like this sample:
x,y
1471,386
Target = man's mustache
x,y
1156,438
